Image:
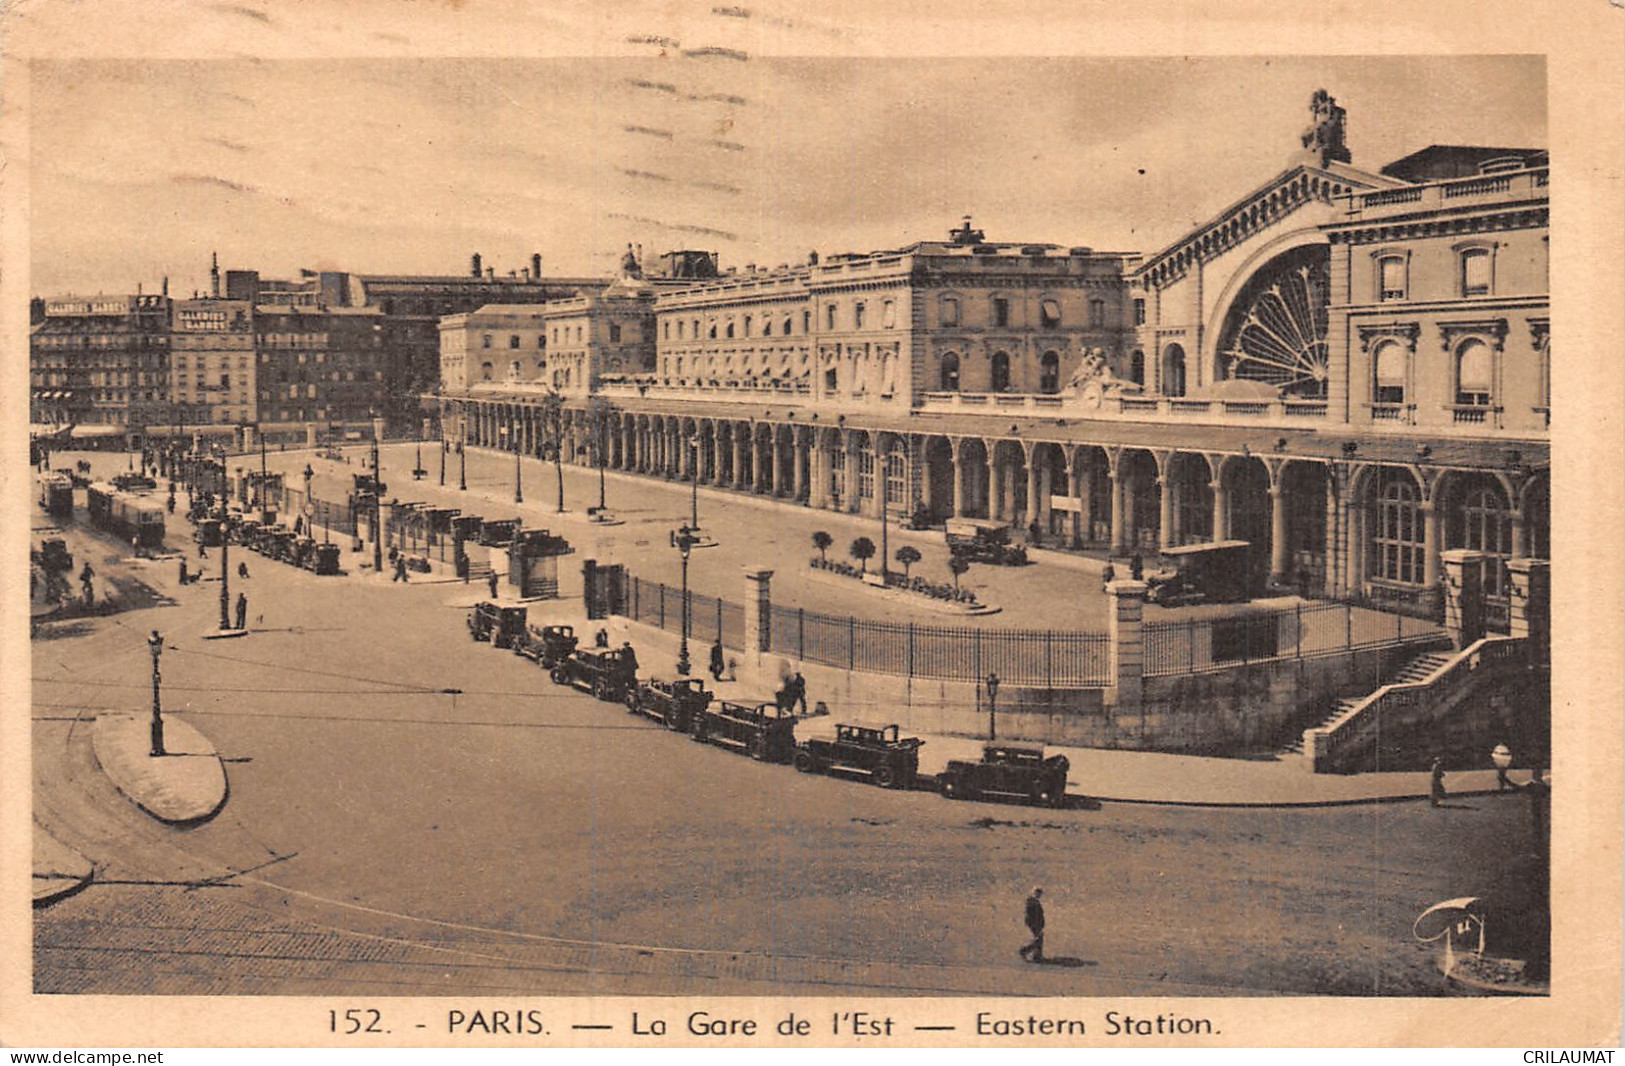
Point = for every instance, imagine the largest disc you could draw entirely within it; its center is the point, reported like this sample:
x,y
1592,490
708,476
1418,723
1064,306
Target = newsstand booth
x,y
531,562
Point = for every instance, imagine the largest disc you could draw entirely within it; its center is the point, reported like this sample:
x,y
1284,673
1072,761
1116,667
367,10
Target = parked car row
x,y
765,731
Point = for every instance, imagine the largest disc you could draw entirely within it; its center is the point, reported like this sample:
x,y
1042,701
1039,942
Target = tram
x,y
127,515
56,493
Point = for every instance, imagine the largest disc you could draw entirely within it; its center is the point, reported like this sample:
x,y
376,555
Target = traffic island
x,y
59,871
224,634
184,786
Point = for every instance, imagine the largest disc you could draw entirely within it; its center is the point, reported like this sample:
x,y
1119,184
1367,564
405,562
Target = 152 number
x,y
353,1022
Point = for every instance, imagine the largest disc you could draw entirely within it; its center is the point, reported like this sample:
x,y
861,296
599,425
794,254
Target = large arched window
x,y
895,480
1483,523
1398,541
1173,371
999,380
1388,374
866,468
1049,373
950,373
1474,385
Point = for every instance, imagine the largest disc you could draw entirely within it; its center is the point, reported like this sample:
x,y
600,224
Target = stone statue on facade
x,y
1324,137
1093,382
629,264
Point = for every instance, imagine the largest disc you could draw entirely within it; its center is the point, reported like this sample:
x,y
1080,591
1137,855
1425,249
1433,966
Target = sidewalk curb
x,y
1279,804
59,871
186,787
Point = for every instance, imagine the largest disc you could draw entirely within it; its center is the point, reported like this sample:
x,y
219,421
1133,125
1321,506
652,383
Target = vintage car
x,y
609,675
1008,772
880,754
322,559
983,542
764,731
1217,572
497,624
672,703
547,646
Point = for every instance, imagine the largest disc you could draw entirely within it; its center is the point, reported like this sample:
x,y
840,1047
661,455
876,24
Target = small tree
x,y
907,556
822,541
552,412
957,564
863,549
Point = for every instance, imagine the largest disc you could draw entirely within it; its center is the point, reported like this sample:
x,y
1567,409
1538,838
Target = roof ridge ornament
x,y
1323,140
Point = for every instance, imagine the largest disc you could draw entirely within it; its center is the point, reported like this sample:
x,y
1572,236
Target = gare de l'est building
x,y
1348,369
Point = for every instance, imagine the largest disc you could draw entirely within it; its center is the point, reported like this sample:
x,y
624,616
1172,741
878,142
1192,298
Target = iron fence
x,y
1033,658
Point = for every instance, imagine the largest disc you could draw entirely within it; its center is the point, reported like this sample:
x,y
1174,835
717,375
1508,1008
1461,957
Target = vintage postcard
x,y
806,524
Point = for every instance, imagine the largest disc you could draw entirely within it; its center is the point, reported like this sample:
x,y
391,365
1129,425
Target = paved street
x,y
517,837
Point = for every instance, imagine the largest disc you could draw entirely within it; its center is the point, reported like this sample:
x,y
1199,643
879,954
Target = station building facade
x,y
1346,368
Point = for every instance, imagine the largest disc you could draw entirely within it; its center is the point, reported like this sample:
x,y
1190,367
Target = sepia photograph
x,y
712,518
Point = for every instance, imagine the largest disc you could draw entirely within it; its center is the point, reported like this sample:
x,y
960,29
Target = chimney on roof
x,y
166,284
474,265
490,273
536,265
214,273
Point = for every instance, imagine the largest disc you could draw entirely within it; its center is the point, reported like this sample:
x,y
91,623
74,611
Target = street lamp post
x,y
155,644
683,541
377,503
225,551
518,489
992,683
462,449
265,503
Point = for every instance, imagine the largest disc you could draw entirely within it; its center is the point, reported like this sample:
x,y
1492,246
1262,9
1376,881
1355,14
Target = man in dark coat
x,y
1436,792
242,611
1034,950
492,582
798,693
717,665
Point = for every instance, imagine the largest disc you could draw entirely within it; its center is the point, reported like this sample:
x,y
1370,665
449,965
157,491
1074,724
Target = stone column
x,y
761,457
1530,599
1278,558
1045,490
1221,510
1520,534
1165,520
798,460
961,471
739,458
1464,595
1034,488
778,464
1430,544
1119,512
758,610
1125,643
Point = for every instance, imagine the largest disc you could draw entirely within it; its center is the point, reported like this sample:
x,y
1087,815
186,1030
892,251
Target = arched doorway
x,y
939,478
1173,370
1137,472
1247,513
975,477
1303,488
1190,479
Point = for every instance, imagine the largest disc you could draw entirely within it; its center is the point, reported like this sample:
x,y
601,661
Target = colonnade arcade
x,y
1318,524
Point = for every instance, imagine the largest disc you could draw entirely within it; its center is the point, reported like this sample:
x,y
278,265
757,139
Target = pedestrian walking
x,y
1108,574
1436,792
183,572
1501,757
400,571
1033,951
798,692
717,664
600,639
492,582
242,610
86,583
299,526
242,571
202,549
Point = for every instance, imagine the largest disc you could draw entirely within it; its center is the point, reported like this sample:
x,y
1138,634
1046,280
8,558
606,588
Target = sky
x,y
141,167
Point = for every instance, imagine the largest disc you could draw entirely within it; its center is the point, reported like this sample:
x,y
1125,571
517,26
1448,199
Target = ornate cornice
x,y
1412,228
1405,331
1493,328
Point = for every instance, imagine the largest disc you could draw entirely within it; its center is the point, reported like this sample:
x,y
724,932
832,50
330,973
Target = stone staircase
x,y
1414,671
